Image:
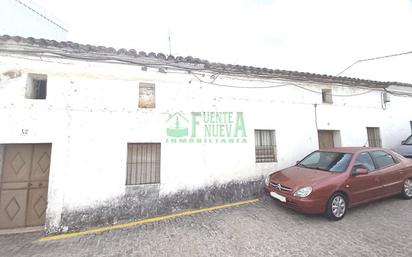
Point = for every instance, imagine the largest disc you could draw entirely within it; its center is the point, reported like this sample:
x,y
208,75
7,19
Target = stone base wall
x,y
141,202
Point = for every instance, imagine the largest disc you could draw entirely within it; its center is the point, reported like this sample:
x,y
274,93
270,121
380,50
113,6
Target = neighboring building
x,y
91,135
27,19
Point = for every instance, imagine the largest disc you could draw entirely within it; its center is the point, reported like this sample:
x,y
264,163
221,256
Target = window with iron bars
x,y
143,163
265,146
374,137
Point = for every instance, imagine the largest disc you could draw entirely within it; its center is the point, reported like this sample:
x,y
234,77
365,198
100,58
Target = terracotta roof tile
x,y
17,44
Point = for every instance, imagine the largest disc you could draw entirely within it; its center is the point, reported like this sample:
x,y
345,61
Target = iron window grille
x,y
265,146
374,137
143,163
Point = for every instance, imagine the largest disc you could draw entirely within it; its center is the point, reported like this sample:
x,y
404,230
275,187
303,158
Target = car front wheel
x,y
407,189
336,207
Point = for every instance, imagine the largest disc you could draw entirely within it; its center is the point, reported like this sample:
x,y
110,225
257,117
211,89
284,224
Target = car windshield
x,y
327,161
408,141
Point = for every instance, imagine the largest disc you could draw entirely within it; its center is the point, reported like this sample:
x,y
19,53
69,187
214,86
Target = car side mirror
x,y
360,170
403,142
297,162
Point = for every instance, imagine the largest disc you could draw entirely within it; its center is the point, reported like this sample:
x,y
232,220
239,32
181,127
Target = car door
x,y
363,188
391,170
405,148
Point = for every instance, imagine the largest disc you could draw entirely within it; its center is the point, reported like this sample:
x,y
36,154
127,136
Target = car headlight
x,y
303,192
267,180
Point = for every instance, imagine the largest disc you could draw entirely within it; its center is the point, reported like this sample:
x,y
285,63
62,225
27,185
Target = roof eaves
x,y
83,51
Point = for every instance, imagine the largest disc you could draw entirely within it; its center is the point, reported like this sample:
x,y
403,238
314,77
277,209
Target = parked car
x,y
405,148
331,181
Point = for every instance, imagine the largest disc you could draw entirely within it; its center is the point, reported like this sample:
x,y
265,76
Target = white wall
x,y
91,113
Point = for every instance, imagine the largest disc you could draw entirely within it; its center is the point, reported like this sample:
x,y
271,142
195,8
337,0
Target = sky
x,y
320,36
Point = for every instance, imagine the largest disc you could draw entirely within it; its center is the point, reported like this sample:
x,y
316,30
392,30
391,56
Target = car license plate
x,y
278,196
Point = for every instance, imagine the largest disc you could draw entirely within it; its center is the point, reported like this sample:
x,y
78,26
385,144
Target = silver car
x,y
406,147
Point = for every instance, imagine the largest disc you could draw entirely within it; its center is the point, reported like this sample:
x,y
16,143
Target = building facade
x,y
93,135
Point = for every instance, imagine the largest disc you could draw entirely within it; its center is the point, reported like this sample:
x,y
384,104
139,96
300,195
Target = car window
x,y
312,160
366,160
327,161
382,159
408,141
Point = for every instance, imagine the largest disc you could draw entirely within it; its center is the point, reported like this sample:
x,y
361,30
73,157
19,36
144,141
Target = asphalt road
x,y
264,228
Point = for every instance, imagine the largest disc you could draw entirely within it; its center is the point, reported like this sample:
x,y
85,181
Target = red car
x,y
330,181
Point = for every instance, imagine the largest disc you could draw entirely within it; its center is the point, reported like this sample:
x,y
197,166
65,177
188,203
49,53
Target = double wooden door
x,y
24,185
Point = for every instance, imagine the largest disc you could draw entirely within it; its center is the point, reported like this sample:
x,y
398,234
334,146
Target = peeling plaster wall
x,y
91,113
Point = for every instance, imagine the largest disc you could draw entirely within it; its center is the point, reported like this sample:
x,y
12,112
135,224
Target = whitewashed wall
x,y
91,113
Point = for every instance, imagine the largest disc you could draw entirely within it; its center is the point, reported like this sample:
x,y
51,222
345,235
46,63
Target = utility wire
x,y
41,15
113,59
372,59
231,86
275,86
232,74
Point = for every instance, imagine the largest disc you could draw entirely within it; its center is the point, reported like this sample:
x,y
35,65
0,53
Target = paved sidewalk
x,y
260,229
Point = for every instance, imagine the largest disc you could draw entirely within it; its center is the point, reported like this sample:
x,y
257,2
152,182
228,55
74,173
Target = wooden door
x,y
24,184
326,139
38,186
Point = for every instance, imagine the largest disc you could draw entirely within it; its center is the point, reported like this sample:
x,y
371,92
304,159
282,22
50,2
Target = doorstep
x,y
21,230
